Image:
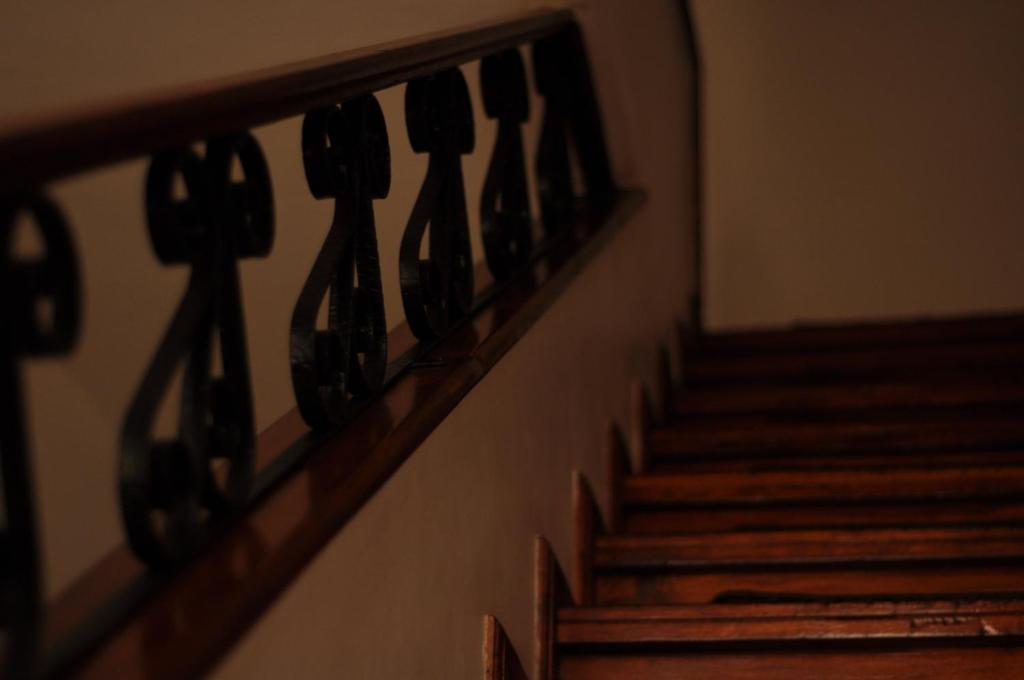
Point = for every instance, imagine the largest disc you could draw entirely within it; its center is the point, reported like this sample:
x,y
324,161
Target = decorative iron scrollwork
x,y
172,490
504,203
438,291
347,157
571,122
39,316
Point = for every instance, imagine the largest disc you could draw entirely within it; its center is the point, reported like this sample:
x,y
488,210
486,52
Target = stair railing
x,y
183,521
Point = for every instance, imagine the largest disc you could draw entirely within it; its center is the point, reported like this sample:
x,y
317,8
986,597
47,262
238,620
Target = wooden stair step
x,y
904,460
675,519
914,662
736,625
660,585
922,363
730,550
808,337
759,437
825,486
810,400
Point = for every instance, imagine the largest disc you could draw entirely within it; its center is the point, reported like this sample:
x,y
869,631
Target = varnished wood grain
x,y
809,546
618,467
587,525
870,526
809,400
878,513
551,593
1005,482
500,659
924,459
866,581
780,624
899,663
640,423
999,428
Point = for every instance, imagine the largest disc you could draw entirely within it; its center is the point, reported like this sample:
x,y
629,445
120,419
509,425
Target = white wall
x,y
864,158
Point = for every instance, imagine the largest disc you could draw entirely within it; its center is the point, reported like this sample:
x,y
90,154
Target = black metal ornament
x,y
571,123
39,316
438,291
347,157
504,202
173,490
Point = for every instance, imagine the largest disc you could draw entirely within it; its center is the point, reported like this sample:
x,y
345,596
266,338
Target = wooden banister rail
x,y
38,150
216,496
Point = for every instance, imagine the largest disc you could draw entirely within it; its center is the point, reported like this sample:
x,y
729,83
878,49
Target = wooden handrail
x,y
51,146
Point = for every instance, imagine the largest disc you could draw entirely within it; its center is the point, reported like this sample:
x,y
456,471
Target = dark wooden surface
x,y
756,436
967,663
779,624
823,503
551,593
587,524
500,659
800,547
926,362
660,586
802,338
688,518
56,144
1002,482
194,615
809,400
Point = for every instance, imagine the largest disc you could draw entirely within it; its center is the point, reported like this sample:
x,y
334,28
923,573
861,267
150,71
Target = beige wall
x,y
864,157
402,589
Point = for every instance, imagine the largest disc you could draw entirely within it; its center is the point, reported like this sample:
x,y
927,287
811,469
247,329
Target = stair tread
x,y
826,486
880,660
804,547
835,514
1013,602
734,624
830,398
880,580
906,460
757,437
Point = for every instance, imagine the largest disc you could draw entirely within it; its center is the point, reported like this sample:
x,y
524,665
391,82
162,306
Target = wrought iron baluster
x,y
438,291
504,203
347,157
571,122
39,316
172,490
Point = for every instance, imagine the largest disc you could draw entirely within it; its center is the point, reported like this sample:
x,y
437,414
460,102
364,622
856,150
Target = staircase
x,y
825,502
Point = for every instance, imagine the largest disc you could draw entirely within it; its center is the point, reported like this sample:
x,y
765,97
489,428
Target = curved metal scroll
x,y
438,291
571,119
346,156
171,490
39,316
504,203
